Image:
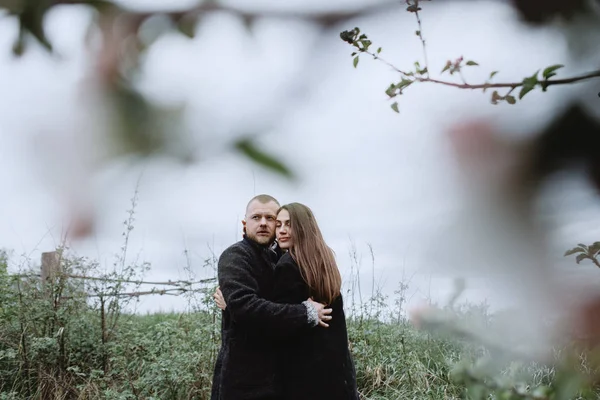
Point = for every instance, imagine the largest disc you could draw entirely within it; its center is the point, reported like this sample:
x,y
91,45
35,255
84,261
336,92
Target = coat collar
x,y
273,250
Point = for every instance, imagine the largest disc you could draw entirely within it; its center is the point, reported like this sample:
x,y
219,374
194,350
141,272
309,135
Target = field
x,y
57,343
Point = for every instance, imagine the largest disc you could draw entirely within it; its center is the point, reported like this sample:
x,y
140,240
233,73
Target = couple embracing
x,y
283,328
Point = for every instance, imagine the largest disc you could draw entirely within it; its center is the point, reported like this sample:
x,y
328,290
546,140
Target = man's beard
x,y
262,240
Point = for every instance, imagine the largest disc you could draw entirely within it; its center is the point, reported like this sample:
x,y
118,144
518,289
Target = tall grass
x,y
57,344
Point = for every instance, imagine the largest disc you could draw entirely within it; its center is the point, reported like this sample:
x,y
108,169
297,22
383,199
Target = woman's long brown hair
x,y
314,258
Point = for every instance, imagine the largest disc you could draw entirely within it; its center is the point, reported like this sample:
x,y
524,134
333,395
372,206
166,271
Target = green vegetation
x,y
55,343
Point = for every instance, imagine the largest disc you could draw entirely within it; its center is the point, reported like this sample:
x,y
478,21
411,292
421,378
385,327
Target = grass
x,y
55,349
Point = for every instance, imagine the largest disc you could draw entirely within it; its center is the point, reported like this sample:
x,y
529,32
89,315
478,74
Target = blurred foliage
x,y
585,252
136,124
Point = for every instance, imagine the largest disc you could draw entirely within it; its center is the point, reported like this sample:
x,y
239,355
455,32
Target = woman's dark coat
x,y
314,363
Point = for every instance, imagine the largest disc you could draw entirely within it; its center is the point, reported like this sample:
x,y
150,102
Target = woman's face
x,y
283,231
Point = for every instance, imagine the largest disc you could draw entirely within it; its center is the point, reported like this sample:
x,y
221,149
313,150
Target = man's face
x,y
260,222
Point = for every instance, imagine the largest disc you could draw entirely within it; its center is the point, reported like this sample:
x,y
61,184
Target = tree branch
x,y
137,282
512,86
420,31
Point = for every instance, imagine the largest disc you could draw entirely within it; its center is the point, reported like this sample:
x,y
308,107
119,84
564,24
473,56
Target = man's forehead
x,y
256,207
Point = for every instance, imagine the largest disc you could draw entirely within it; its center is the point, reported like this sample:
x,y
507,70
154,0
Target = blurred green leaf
x,y
573,251
404,83
395,107
31,22
355,62
471,63
493,74
249,149
524,90
496,97
529,84
549,72
581,257
391,90
510,99
187,25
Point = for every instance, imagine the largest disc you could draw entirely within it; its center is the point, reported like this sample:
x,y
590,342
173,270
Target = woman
x,y
315,363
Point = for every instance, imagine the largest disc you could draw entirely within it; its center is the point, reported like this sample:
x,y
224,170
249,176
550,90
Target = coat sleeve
x,y
240,290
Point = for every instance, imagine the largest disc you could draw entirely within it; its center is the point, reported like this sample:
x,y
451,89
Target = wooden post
x,y
50,266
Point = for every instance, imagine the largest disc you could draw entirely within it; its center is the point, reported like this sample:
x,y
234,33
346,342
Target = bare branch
x,y
94,278
512,86
162,292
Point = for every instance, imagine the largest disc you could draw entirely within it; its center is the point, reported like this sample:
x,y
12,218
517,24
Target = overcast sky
x,y
371,176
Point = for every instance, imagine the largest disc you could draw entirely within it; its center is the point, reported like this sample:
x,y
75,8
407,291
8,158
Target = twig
x,y
168,292
94,278
420,31
512,86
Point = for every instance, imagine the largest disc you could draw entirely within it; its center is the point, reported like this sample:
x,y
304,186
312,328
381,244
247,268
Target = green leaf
x,y
355,62
391,90
529,84
595,248
549,72
496,97
347,36
250,150
524,90
573,251
493,74
510,99
18,48
187,26
31,20
447,67
471,63
366,43
395,107
581,257
404,83
379,50
418,33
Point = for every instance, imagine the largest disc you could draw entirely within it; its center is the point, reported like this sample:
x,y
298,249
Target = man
x,y
245,367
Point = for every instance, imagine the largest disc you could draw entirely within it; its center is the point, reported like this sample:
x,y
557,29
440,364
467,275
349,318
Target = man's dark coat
x,y
246,367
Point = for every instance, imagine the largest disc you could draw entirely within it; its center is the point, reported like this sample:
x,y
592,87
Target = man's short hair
x,y
263,199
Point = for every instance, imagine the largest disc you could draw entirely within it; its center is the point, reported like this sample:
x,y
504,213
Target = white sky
x,y
370,175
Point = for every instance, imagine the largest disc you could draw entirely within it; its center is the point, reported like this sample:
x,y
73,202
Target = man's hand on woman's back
x,y
323,314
